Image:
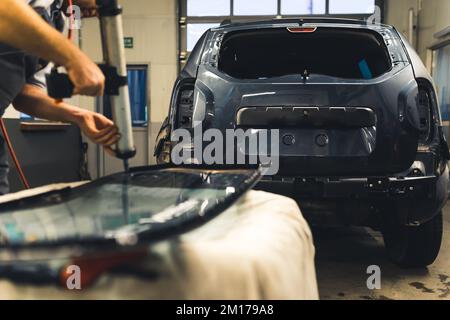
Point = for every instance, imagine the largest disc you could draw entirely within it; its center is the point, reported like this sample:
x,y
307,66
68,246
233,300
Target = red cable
x,y
13,155
71,20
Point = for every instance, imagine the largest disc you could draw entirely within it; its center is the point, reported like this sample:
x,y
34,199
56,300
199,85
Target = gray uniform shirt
x,y
17,69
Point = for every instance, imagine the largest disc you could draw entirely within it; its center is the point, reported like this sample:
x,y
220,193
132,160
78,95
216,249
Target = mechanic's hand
x,y
100,130
86,76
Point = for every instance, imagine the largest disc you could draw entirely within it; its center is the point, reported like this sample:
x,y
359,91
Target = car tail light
x,y
185,107
425,115
302,29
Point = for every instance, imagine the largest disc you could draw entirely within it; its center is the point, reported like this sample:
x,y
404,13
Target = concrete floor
x,y
343,255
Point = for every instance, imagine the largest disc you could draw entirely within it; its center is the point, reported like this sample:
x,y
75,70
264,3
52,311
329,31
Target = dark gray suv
x,y
360,132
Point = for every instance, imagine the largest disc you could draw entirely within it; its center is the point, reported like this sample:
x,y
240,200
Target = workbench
x,y
260,248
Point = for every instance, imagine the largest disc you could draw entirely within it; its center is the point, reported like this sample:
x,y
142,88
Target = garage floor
x,y
343,256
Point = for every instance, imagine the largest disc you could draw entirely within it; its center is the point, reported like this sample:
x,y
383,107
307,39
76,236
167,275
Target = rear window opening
x,y
335,52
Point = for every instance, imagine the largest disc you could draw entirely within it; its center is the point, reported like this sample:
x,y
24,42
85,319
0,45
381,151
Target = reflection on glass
x,y
255,8
205,8
291,7
195,31
352,6
122,209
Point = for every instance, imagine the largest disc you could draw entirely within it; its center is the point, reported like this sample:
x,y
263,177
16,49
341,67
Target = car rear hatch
x,y
342,97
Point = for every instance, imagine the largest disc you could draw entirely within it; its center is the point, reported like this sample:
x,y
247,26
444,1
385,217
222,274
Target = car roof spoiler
x,y
300,20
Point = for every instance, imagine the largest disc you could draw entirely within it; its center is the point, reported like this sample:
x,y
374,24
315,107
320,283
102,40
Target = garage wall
x,y
432,16
153,25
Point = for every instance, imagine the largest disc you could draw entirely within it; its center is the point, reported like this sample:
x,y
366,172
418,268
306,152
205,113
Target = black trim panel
x,y
316,117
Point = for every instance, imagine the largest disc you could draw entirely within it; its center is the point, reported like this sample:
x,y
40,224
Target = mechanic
x,y
22,72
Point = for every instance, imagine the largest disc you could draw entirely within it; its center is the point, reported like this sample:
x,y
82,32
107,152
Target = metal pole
x,y
114,55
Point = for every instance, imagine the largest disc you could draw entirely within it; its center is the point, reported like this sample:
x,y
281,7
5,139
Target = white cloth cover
x,y
260,248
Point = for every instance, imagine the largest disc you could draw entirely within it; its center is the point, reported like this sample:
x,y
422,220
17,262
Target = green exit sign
x,y
129,42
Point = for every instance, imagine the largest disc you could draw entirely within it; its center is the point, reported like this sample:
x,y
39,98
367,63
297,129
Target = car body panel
x,y
392,150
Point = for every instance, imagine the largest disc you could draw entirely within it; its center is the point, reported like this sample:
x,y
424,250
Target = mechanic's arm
x,y
35,102
24,29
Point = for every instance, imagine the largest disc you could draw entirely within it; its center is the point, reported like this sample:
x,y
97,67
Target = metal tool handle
x,y
111,27
59,85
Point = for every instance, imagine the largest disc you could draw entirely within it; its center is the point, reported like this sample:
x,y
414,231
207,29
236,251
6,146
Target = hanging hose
x,y
13,154
3,126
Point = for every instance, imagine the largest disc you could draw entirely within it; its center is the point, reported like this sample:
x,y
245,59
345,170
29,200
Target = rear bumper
x,y
410,200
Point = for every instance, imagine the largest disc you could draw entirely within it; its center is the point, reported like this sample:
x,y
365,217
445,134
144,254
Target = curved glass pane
x,y
123,209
